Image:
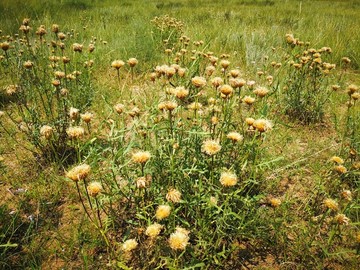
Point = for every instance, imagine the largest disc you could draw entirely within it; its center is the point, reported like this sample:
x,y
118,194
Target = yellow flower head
x,y
211,147
129,245
132,62
226,89
337,160
141,157
228,179
28,64
234,73
340,169
236,82
198,81
209,70
46,131
195,106
87,117
274,202
250,121
346,194
163,211
153,230
331,204
94,188
248,100
75,132
178,240
261,92
341,219
119,108
77,47
117,64
173,195
217,81
262,125
79,172
181,92
225,63
235,136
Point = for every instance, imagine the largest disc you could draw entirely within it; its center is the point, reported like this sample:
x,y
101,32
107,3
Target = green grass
x,y
275,217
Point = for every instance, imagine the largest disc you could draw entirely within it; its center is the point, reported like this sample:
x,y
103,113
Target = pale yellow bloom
x,y
79,172
178,240
262,125
248,100
153,230
340,169
211,147
132,62
75,132
235,136
274,202
129,245
94,188
341,219
198,81
261,92
337,160
173,195
87,117
331,204
226,89
117,64
228,179
46,131
141,157
163,211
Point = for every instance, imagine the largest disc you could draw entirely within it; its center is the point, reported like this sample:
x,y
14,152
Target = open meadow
x,y
180,134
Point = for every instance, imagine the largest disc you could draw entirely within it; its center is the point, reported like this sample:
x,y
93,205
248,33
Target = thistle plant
x,y
306,91
48,74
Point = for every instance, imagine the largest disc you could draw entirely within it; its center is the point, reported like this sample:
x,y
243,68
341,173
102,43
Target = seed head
x,y
74,113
